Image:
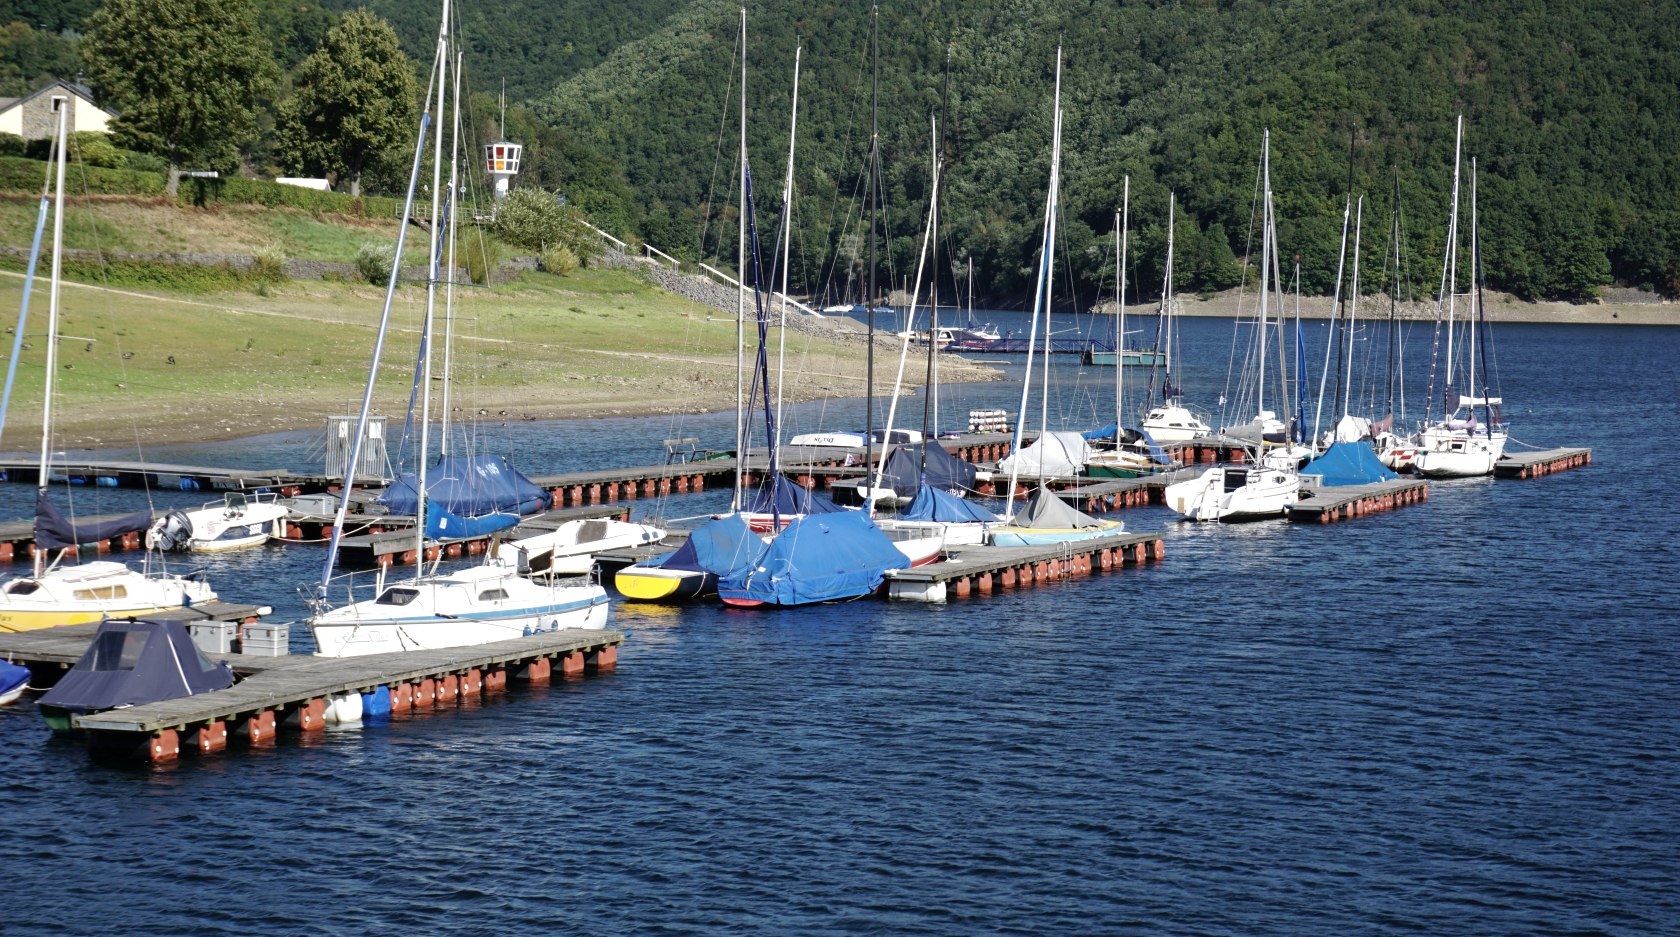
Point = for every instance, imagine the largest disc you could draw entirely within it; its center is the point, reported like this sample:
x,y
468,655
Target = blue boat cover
x,y
133,661
1132,435
1349,463
789,498
53,530
820,558
469,486
12,676
723,545
936,504
444,524
905,472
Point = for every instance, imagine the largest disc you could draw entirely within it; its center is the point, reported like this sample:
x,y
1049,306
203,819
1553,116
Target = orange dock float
x,y
1328,504
984,570
1541,462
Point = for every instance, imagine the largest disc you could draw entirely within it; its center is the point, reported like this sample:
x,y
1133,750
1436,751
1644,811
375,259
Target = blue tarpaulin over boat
x,y
132,661
1349,463
936,504
789,498
1131,435
906,470
821,558
53,530
469,486
443,524
722,545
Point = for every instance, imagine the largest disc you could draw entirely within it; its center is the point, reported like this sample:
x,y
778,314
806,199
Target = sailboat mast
x,y
1353,310
1164,325
1265,270
449,267
787,249
60,104
741,292
1452,268
1335,321
431,305
1048,284
874,185
930,398
1120,303
1488,414
1038,287
1393,297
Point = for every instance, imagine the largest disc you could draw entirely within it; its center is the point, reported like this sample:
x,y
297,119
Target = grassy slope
x,y
285,356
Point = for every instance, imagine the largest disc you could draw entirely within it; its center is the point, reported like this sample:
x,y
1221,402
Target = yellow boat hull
x,y
15,620
645,584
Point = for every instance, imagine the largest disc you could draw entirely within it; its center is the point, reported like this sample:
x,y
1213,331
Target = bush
x,y
536,220
374,262
27,174
558,260
92,148
12,145
479,253
268,264
238,190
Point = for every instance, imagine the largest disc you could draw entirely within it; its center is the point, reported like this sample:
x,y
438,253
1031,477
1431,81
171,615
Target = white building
x,y
31,116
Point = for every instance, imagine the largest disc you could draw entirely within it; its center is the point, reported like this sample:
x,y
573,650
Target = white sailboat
x,y
1459,445
488,602
1171,421
60,592
1045,518
1264,487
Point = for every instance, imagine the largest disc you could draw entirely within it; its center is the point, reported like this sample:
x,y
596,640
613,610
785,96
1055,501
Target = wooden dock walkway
x,y
294,690
118,474
1329,503
390,541
1540,462
983,570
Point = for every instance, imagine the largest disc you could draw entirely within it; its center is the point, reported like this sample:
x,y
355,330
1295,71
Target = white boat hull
x,y
1174,423
965,534
569,550
1458,453
473,606
1231,493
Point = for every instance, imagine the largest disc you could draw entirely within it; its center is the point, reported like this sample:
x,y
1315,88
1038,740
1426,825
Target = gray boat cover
x,y
1046,511
133,661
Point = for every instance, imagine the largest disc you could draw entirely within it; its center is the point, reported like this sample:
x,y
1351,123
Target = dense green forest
x,y
1572,112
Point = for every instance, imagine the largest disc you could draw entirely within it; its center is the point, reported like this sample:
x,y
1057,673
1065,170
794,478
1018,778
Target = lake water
x,y
1460,717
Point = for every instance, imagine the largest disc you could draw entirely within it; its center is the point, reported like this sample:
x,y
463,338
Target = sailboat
x,y
1262,488
1459,445
1133,453
57,592
1045,518
476,605
1171,421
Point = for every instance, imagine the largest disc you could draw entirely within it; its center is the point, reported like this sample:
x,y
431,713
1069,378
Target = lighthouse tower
x,y
501,161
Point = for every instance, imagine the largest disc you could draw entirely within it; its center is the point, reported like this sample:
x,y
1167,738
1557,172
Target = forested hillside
x,y
629,108
1573,112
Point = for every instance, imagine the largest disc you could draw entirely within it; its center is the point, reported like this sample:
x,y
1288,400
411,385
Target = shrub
x,y
12,145
558,260
92,148
479,253
26,175
374,261
268,264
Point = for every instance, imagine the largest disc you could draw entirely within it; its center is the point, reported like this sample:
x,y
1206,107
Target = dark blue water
x,y
1460,717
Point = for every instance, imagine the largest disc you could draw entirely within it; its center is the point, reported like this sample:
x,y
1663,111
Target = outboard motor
x,y
172,532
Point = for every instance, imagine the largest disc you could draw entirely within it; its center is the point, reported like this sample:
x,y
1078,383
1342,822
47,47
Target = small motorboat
x,y
236,521
14,679
569,550
133,661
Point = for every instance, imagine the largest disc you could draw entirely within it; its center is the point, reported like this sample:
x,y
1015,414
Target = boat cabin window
x,y
117,650
22,587
1235,478
102,592
492,595
397,595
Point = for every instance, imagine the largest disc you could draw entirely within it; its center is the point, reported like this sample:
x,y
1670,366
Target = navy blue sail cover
x,y
134,661
722,546
937,504
788,497
469,486
54,531
905,471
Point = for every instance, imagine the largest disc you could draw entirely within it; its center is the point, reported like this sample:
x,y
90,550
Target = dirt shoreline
x,y
1501,307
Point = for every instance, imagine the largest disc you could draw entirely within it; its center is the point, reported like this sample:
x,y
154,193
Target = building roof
x,y
76,88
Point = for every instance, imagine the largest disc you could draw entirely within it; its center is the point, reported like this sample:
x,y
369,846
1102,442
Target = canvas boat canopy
x,y
1058,453
936,504
905,470
1349,463
722,546
820,558
133,661
786,497
54,531
469,486
1045,510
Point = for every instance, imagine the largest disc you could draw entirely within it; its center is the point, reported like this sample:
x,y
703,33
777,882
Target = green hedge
x,y
18,174
236,190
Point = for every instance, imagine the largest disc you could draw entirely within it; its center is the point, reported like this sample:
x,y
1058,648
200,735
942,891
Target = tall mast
x,y
1335,320
787,248
431,303
1048,284
874,170
60,104
1265,269
449,268
1452,263
741,291
1039,286
1393,296
1120,302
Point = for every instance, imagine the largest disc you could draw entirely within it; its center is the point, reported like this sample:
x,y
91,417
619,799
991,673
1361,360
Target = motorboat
x,y
1235,493
74,594
569,549
238,520
130,662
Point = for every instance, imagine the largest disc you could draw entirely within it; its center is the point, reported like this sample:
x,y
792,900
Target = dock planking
x,y
62,646
1326,504
983,570
1540,462
385,547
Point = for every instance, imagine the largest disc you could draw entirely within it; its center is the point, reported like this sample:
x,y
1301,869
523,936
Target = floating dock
x,y
1328,504
293,691
117,474
390,541
982,570
1541,462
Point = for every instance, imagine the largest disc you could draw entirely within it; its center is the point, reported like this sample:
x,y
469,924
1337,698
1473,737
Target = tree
x,y
183,74
353,98
536,220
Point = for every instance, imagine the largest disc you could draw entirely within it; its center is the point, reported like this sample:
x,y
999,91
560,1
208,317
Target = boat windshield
x,y
22,587
117,650
397,595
